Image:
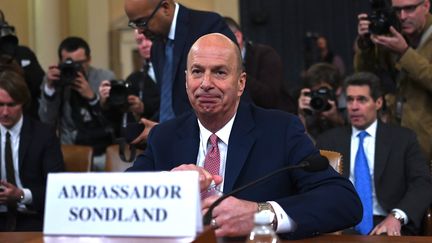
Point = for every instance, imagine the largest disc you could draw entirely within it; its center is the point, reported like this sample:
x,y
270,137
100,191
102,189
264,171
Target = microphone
x,y
311,164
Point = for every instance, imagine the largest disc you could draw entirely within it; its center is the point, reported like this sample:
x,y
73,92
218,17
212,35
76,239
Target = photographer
x,y
138,96
27,60
405,56
318,102
70,97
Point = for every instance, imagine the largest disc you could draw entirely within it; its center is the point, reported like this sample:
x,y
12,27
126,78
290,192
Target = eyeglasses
x,y
407,8
143,22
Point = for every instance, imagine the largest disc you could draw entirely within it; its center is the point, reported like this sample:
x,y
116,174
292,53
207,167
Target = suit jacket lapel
x,y
25,138
346,151
181,34
382,150
241,140
188,137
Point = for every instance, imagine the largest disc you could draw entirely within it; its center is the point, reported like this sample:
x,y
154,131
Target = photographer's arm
x,y
304,104
136,106
49,101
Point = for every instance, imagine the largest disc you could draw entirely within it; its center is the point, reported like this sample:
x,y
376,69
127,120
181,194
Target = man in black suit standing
x,y
29,151
264,68
400,184
173,29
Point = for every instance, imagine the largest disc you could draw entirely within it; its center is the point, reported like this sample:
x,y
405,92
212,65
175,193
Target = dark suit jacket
x,y
401,175
191,25
261,142
263,66
39,154
34,74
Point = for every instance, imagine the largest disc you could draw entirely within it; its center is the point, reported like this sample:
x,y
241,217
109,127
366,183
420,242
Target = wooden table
x,y
38,237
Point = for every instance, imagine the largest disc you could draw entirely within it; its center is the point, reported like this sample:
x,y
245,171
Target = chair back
x,y
334,158
77,158
113,162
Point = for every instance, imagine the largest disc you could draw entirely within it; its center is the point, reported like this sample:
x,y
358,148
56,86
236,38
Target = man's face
x,y
322,43
10,112
77,56
214,83
149,17
362,109
411,14
144,45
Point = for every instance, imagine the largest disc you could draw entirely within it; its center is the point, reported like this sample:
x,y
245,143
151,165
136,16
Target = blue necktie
x,y
363,186
166,109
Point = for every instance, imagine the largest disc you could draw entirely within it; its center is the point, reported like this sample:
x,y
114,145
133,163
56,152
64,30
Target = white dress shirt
x,y
369,148
15,141
285,223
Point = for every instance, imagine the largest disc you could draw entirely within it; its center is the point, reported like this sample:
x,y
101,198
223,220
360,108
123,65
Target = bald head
x,y
217,41
214,80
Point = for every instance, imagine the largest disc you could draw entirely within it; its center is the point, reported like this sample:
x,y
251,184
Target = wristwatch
x,y
398,216
267,206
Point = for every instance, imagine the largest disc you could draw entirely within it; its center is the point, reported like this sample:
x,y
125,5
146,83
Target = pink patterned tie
x,y
212,161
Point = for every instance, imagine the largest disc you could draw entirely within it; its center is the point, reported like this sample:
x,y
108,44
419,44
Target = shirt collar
x,y
371,130
171,34
15,130
223,134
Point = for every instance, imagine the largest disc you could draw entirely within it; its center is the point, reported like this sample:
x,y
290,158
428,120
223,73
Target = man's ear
x,y
241,83
186,79
379,103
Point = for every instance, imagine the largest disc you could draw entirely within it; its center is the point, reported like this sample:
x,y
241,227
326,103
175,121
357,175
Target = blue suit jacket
x,y
262,141
191,24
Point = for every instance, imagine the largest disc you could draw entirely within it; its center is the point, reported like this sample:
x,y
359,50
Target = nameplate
x,y
156,204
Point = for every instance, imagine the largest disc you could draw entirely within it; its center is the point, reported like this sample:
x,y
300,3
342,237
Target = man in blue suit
x,y
251,142
168,23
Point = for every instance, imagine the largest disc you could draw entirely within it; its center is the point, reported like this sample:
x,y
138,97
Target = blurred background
x,y
289,26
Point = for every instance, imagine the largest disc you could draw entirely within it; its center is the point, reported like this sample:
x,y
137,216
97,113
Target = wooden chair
x,y
335,159
77,158
113,162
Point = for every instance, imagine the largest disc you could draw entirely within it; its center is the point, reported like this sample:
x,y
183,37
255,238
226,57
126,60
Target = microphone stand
x,y
209,214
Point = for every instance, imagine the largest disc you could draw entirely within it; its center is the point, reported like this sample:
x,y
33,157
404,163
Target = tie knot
x,y
362,135
213,140
8,135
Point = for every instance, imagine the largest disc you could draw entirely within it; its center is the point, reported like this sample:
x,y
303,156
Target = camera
x,y
320,97
8,39
69,71
382,17
118,95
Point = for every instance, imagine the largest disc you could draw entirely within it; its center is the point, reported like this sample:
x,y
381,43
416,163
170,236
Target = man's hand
x,y
304,101
104,91
389,225
205,178
143,136
234,217
333,115
9,193
136,106
394,42
363,25
53,76
82,86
